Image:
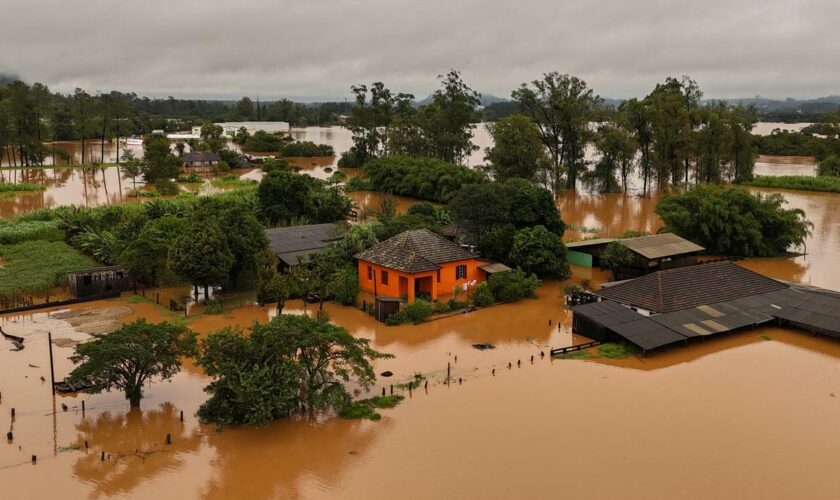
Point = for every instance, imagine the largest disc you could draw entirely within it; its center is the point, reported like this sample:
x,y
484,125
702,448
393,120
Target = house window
x,y
438,275
384,277
461,272
370,272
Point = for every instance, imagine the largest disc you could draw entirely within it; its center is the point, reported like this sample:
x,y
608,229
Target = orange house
x,y
417,261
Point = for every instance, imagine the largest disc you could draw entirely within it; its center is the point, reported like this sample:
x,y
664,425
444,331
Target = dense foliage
x,y
540,251
386,123
424,178
830,166
289,364
615,255
286,196
132,356
517,149
734,222
787,143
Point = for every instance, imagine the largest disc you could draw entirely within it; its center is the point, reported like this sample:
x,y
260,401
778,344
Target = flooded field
x,y
752,415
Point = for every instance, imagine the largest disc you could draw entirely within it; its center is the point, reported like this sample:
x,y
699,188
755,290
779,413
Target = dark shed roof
x,y
687,287
638,329
200,156
291,243
414,251
658,246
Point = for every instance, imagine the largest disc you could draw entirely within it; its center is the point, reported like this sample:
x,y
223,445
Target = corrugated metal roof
x,y
657,246
494,267
636,328
588,243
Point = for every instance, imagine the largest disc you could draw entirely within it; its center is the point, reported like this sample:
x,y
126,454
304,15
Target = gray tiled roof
x,y
414,251
692,286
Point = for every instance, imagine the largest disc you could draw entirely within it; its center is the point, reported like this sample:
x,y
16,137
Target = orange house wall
x,y
443,287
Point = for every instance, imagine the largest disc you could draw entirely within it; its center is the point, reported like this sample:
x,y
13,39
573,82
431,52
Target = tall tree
x,y
83,117
201,255
447,121
130,357
616,150
562,106
517,149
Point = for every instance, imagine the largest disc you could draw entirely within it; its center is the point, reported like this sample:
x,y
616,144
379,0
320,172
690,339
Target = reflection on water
x,y
135,448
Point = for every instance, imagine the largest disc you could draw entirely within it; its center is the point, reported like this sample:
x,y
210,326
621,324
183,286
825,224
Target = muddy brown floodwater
x,y
751,415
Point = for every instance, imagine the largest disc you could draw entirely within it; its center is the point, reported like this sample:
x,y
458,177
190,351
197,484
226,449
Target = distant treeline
x,y
820,140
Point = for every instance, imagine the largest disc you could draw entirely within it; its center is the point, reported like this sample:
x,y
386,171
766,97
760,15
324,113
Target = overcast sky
x,y
318,48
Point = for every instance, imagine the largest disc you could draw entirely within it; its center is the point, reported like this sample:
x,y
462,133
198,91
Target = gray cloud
x,y
318,48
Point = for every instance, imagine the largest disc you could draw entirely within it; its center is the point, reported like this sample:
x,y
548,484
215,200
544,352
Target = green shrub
x,y
482,296
191,178
167,187
366,408
513,285
356,183
418,311
212,306
345,286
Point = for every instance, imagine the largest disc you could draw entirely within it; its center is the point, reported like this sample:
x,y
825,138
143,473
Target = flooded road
x,y
752,415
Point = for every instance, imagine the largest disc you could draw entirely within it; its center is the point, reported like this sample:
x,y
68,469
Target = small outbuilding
x,y
655,252
200,160
293,245
98,281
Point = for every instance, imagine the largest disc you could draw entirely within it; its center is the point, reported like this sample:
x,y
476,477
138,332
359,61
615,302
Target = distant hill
x,y
485,100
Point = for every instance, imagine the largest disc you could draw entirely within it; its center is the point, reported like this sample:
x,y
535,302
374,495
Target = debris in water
x,y
33,366
482,347
386,373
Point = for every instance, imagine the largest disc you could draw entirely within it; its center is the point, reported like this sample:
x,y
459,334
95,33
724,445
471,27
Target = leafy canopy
x,y
127,358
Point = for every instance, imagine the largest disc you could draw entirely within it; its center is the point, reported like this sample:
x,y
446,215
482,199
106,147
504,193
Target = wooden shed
x,y
99,281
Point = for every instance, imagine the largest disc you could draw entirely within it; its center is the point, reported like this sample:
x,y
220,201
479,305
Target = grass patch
x,y
609,350
366,408
766,337
413,383
137,299
21,187
613,351
584,354
822,183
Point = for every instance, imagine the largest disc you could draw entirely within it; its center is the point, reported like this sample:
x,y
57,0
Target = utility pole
x,y
52,366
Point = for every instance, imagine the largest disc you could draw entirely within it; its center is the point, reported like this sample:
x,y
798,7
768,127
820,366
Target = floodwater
x,y
737,416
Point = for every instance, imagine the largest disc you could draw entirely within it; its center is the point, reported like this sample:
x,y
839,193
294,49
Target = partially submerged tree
x,y
734,221
289,364
517,149
128,358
